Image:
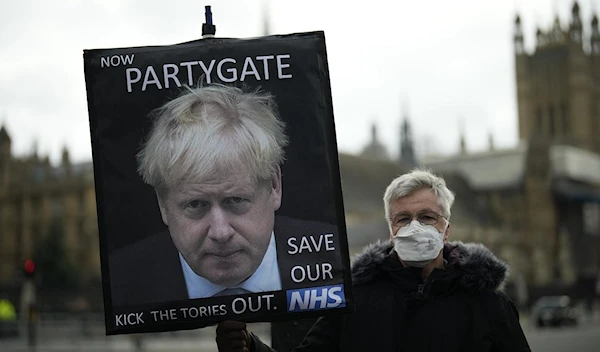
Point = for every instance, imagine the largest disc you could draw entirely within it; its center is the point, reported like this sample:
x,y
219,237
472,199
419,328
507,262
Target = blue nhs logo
x,y
316,298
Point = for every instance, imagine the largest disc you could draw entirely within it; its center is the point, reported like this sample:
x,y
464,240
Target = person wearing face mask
x,y
416,292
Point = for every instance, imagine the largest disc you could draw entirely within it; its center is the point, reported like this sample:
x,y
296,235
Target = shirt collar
x,y
265,278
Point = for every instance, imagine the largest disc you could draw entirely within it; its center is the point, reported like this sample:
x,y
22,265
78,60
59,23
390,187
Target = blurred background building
x,y
48,215
536,205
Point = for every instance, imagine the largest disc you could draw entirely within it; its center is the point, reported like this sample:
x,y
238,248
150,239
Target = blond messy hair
x,y
212,130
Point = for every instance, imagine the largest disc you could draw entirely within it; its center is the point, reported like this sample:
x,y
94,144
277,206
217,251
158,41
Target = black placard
x,y
144,285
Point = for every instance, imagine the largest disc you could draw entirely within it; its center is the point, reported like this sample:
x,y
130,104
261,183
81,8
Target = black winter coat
x,y
459,308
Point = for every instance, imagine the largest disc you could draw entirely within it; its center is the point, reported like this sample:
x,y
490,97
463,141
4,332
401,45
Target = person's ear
x,y
447,232
161,205
276,189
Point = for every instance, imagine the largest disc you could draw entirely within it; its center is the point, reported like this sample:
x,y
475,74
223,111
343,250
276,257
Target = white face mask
x,y
417,245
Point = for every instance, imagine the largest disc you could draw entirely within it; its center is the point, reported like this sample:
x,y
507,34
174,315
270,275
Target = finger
x,y
233,338
237,344
236,335
247,338
229,325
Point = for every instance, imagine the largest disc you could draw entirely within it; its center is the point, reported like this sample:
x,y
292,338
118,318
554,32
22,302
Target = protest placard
x,y
217,183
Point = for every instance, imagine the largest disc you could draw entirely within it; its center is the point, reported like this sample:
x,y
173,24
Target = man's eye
x,y
236,200
196,204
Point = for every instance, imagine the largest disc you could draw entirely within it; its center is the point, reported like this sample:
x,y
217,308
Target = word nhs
x,y
316,298
116,60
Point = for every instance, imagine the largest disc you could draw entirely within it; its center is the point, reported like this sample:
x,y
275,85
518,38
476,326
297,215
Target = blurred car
x,y
554,311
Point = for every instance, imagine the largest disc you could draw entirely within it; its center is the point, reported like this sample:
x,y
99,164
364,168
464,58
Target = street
x,y
67,338
582,338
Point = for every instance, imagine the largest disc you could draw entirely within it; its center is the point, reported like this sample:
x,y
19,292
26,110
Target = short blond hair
x,y
211,130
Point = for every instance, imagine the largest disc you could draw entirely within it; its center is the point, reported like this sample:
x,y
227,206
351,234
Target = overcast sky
x,y
442,61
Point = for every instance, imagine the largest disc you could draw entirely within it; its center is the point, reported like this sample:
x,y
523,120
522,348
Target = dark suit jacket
x,y
149,270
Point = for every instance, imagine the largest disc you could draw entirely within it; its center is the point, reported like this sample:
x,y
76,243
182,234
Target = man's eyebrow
x,y
239,189
425,210
210,191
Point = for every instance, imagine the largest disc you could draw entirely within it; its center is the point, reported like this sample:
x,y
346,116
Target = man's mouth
x,y
223,254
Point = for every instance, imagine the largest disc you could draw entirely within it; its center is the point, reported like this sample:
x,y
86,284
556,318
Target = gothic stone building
x,y
546,191
558,95
558,85
34,195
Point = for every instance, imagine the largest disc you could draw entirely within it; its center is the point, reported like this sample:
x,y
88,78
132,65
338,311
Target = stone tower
x,y
558,85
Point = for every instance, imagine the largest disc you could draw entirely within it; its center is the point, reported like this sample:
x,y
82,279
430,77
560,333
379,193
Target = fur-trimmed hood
x,y
480,270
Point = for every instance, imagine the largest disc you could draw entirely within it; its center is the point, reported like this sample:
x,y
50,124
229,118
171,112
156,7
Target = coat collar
x,y
478,268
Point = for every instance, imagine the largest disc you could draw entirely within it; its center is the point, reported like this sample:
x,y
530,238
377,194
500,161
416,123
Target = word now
x,y
316,298
116,60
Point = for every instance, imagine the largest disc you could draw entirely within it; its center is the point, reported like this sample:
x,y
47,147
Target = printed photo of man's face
x,y
222,227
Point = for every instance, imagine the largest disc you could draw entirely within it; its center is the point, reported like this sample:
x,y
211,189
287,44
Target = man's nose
x,y
220,228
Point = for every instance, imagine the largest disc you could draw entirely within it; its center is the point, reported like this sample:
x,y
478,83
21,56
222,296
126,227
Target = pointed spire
x,y
4,134
491,146
595,37
66,162
375,150
407,152
575,28
65,155
518,36
266,17
557,25
5,145
34,149
556,35
539,38
575,8
463,142
555,9
373,133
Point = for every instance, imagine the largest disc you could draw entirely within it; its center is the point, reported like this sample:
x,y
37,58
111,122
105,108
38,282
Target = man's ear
x,y
161,206
276,189
447,232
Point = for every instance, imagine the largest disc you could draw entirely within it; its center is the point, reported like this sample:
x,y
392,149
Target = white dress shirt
x,y
265,278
